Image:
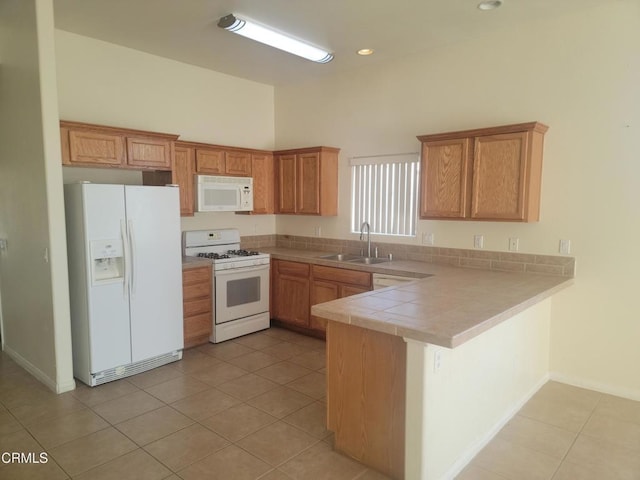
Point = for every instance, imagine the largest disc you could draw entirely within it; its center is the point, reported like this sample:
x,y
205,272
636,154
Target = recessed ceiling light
x,y
365,51
490,4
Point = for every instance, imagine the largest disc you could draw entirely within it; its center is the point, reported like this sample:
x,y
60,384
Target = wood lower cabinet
x,y
483,174
90,145
366,391
197,305
290,292
307,181
329,283
297,286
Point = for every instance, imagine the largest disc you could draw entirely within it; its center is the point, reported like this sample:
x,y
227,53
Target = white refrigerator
x,y
125,279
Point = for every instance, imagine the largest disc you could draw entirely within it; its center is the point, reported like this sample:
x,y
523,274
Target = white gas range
x,y
241,282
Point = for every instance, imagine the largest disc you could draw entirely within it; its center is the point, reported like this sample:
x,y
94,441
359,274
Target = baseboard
x,y
39,374
629,393
475,448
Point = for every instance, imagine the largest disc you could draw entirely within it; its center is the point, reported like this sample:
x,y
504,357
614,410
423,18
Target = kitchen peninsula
x,y
458,351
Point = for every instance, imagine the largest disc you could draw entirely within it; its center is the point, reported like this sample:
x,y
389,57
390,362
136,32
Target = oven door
x,y
241,292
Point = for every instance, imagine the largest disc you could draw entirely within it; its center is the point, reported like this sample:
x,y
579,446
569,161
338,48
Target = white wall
x,y
33,269
107,84
579,74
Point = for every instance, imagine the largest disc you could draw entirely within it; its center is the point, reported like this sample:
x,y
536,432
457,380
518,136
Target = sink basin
x,y
368,260
340,257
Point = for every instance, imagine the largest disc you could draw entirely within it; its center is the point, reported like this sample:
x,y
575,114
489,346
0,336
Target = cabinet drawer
x,y
294,269
342,275
196,291
195,307
196,275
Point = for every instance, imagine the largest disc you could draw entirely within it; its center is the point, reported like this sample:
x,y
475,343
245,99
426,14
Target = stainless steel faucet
x,y
362,227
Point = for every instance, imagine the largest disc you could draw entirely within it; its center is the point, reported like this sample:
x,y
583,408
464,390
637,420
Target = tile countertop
x,y
194,262
448,308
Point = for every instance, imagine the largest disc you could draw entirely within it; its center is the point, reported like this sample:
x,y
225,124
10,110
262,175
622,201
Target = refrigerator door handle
x,y
125,248
132,251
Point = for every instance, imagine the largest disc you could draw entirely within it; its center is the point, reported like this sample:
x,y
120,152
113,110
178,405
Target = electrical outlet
x,y
478,241
317,231
514,244
427,239
3,244
437,361
565,247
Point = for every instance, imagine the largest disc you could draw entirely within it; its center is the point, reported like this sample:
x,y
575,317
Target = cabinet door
x,y
308,184
286,182
263,180
290,296
499,171
292,300
238,163
444,182
147,152
322,291
210,162
182,175
94,148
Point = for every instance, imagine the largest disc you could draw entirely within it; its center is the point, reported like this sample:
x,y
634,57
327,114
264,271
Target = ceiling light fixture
x,y
490,4
270,37
365,51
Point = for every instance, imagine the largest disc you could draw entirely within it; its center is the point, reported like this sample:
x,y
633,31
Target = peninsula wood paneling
x,y
366,381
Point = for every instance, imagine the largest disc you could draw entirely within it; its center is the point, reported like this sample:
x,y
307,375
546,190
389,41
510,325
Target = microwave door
x,y
220,198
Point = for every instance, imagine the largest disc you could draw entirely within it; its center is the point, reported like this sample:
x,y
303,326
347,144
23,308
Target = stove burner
x,y
243,253
214,256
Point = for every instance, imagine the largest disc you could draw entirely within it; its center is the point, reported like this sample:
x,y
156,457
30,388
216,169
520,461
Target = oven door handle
x,y
235,271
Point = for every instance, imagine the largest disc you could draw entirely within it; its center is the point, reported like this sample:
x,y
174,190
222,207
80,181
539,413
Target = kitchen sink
x,y
368,260
340,257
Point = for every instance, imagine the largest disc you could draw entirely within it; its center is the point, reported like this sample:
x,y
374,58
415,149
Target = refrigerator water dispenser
x,y
107,261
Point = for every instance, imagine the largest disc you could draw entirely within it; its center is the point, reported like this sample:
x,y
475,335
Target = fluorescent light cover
x,y
274,39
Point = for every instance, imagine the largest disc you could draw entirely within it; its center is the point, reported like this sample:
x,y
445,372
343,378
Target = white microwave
x,y
224,194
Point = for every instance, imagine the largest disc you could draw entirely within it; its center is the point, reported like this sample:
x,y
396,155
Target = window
x,y
384,192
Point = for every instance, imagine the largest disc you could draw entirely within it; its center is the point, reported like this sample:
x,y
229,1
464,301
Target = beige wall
x,y
33,269
579,74
476,389
107,84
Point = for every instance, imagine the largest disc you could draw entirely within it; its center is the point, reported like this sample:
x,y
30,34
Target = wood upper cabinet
x,y
210,162
197,305
484,174
149,152
290,292
238,163
263,182
89,145
445,178
94,148
307,181
218,161
183,170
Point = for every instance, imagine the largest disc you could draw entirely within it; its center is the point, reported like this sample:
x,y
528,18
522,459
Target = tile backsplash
x,y
458,257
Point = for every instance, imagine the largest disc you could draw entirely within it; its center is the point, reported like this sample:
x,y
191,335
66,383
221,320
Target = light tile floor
x,y
254,408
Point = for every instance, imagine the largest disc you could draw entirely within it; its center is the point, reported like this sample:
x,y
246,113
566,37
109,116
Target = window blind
x,y
384,192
